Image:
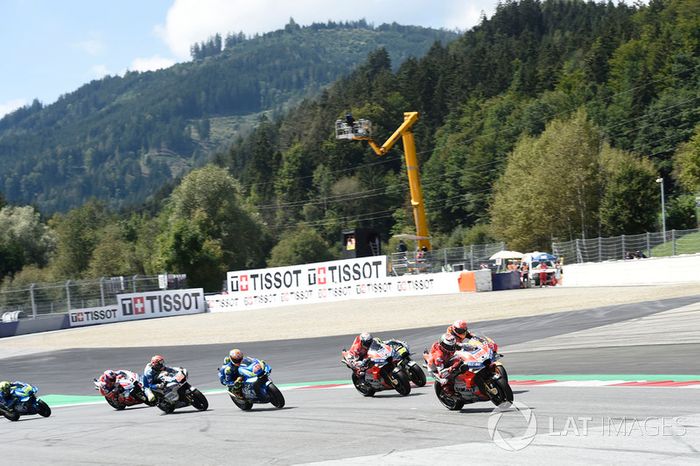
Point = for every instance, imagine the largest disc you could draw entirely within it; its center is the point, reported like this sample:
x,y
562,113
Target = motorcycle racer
x,y
108,383
229,374
151,372
440,363
460,331
6,396
359,349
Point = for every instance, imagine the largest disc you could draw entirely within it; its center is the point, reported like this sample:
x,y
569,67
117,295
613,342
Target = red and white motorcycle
x,y
129,391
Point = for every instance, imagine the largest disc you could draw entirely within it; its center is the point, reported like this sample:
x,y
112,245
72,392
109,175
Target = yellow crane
x,y
361,130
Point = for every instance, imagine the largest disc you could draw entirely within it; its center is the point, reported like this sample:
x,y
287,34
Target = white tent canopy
x,y
507,255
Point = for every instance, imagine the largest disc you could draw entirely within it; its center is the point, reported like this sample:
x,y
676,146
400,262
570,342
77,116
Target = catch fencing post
x,y
471,257
68,294
102,291
648,246
673,242
31,297
623,247
133,282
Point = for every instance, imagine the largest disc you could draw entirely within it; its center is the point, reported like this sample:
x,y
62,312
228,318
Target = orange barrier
x,y
467,281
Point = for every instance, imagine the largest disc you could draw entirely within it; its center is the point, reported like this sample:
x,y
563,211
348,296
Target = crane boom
x,y
362,131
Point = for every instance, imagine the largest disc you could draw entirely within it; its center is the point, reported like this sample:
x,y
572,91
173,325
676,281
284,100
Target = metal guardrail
x,y
622,247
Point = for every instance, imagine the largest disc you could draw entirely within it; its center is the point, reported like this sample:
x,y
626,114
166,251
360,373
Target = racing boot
x,y
237,388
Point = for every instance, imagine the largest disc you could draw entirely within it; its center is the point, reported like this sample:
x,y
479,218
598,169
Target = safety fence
x,y
673,243
444,260
47,298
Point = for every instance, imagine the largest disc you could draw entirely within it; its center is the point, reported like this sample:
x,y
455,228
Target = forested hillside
x,y
119,139
549,121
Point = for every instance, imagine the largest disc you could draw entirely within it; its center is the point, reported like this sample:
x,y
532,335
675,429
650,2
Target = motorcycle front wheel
x,y
401,385
43,409
198,400
505,393
276,397
417,375
362,387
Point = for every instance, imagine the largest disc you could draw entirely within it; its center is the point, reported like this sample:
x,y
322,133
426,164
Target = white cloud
x,y
92,47
99,71
191,21
151,63
10,106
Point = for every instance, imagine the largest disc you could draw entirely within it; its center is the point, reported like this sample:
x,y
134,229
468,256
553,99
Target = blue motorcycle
x,y
257,387
27,402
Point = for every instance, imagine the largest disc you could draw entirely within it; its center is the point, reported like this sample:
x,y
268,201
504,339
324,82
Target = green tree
x,y
207,231
303,246
629,189
550,187
77,234
687,163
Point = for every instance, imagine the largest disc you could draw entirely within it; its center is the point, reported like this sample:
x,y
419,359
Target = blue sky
x,y
52,47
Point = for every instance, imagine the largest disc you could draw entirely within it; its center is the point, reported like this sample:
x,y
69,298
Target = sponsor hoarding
x,y
325,282
147,305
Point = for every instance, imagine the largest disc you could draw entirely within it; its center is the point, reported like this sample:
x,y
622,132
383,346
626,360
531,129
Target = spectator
x,y
543,275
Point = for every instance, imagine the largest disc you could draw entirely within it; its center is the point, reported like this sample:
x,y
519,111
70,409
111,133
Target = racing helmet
x,y
157,363
460,328
366,339
236,356
110,377
448,342
5,388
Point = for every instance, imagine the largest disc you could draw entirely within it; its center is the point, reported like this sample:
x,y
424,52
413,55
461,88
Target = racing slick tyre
x,y
198,400
10,415
361,387
401,383
417,375
242,404
166,407
502,371
505,393
451,403
276,397
43,409
114,404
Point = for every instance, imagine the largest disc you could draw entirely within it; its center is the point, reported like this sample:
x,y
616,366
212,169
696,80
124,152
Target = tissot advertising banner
x,y
307,277
324,282
147,305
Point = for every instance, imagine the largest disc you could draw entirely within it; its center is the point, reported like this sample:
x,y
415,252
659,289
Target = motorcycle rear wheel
x,y
43,409
244,405
448,402
199,401
276,397
362,387
417,375
402,385
166,407
114,404
11,415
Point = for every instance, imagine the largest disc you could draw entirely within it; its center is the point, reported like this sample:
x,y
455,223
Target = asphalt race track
x,y
577,423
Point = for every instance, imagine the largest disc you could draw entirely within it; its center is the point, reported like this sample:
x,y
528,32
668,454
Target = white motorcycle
x,y
175,392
